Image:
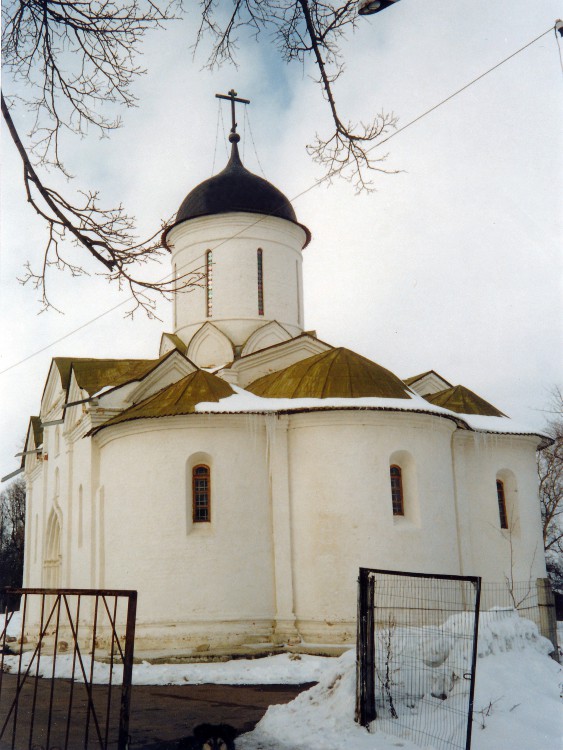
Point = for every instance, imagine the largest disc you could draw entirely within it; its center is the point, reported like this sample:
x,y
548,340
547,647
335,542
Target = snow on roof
x,y
245,402
500,425
179,398
336,379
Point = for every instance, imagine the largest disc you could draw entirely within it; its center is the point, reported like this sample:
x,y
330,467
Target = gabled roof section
x,y
176,399
94,374
267,335
64,365
461,400
275,357
427,382
57,382
170,341
338,373
169,369
36,426
34,435
33,439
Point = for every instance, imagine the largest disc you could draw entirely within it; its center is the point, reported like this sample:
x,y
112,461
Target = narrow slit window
x,y
298,287
502,505
397,491
175,295
209,283
260,283
201,493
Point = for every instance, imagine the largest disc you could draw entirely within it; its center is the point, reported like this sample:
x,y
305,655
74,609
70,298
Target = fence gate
x,y
416,655
66,664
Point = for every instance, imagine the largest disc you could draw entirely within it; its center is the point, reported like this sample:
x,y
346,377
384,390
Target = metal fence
x,y
416,652
50,695
521,596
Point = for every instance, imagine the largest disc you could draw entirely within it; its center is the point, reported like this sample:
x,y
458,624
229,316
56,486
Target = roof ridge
x,y
319,358
337,352
184,383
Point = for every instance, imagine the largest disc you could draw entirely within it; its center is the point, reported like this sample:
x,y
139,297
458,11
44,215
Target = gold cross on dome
x,y
232,97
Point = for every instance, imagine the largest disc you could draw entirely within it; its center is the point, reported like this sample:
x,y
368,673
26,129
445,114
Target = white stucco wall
x,y
234,240
342,514
299,502
479,460
188,572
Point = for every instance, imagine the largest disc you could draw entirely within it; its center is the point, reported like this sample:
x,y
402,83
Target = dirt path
x,y
169,713
160,715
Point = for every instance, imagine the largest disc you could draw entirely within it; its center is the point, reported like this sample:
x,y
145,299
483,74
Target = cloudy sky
x,y
454,264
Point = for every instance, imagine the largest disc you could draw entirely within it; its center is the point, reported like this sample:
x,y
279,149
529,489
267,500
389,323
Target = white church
x,y
240,478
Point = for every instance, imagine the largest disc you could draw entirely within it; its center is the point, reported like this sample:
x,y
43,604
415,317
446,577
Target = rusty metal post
x,y
365,651
477,585
123,740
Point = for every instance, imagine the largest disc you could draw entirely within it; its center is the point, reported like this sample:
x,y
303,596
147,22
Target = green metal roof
x,y
94,374
415,378
37,427
463,401
64,365
338,373
176,399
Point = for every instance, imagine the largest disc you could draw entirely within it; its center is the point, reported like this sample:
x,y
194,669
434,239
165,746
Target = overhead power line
x,y
303,192
428,111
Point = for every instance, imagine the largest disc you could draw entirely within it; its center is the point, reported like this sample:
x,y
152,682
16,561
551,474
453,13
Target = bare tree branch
x,y
107,234
550,474
70,63
75,58
305,29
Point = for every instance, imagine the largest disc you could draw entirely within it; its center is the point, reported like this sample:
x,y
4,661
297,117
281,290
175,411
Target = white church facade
x,y
240,478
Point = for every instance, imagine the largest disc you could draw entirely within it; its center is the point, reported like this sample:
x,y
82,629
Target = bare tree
x,y
12,535
550,473
68,61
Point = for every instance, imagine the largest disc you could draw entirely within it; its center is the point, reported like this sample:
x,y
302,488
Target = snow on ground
x,y
274,670
517,700
14,624
283,669
517,696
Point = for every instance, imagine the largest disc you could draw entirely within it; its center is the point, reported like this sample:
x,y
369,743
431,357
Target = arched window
x,y
201,493
502,505
397,490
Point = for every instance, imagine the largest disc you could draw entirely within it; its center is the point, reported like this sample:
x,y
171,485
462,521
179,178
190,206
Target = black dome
x,y
235,189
